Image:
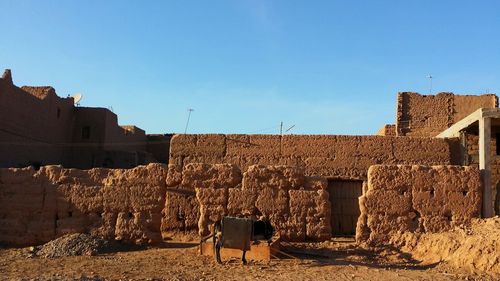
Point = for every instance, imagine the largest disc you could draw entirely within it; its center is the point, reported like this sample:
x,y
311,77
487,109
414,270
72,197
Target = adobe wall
x,y
471,143
38,206
465,105
297,206
108,144
387,130
32,119
428,115
38,127
135,205
159,146
417,199
87,151
144,204
337,157
342,157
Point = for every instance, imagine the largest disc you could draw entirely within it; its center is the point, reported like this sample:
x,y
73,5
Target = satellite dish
x,y
77,98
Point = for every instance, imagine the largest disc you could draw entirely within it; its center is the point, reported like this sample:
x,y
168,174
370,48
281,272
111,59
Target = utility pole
x,y
281,128
189,116
430,88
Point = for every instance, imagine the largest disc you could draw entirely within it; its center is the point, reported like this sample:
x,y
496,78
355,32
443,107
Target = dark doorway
x,y
345,207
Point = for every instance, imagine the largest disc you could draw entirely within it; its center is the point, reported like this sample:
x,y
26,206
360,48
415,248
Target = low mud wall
x,y
297,205
417,199
38,206
148,203
342,157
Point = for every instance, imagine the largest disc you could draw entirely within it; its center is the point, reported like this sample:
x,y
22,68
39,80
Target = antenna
x,y
281,128
77,98
430,79
189,116
291,127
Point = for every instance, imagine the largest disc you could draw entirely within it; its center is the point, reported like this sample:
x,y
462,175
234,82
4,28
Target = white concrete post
x,y
485,165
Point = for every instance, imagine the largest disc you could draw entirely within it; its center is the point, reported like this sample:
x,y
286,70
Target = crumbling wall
x,y
428,115
191,184
297,206
38,206
417,199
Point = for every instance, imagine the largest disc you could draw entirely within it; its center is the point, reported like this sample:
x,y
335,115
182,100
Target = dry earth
x,y
475,247
338,259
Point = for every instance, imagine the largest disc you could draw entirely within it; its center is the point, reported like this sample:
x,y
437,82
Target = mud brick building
x,y
436,168
37,127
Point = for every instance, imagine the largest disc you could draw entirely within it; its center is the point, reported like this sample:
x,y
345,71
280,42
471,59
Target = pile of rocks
x,y
77,244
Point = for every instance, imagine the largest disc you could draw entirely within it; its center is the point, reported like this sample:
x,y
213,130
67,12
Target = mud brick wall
x,y
387,130
466,104
342,157
38,206
298,206
182,211
471,141
428,115
417,199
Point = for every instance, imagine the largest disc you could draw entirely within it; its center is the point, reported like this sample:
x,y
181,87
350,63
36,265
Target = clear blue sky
x,y
329,67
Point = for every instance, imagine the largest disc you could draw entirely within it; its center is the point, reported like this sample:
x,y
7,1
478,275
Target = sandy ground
x,y
334,260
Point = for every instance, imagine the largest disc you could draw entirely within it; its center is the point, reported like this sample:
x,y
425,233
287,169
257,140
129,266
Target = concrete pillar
x,y
485,164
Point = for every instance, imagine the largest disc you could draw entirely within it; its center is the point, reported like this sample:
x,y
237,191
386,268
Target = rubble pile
x,y
77,244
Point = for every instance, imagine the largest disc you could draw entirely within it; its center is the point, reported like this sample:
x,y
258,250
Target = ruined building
x,y
37,127
434,169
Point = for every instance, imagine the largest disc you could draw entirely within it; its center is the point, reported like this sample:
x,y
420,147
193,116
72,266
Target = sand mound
x,y
73,245
475,247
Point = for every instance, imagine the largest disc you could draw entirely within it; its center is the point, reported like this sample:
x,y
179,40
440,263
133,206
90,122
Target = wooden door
x,y
345,207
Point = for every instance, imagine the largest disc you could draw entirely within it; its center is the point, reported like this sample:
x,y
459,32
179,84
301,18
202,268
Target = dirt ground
x,y
338,259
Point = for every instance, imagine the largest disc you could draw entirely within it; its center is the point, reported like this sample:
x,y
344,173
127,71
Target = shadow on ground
x,y
352,255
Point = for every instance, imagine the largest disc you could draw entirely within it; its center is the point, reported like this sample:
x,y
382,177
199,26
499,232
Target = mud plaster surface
x,y
419,199
38,206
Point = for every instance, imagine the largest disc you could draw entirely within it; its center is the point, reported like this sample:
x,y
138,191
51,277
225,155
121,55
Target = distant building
x,y
37,127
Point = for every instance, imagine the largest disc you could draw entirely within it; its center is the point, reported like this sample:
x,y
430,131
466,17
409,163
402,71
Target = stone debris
x,y
77,244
